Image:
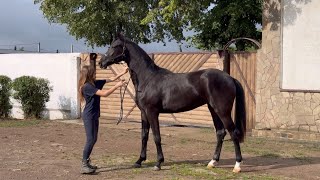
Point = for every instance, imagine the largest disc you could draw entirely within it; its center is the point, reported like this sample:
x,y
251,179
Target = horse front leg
x,y
145,126
153,118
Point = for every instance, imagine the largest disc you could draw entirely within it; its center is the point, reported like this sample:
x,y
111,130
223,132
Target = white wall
x,y
62,70
301,45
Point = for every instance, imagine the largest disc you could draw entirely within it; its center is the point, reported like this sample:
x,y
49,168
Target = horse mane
x,y
143,55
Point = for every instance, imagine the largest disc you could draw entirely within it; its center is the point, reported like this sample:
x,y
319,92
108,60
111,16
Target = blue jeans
x,y
91,127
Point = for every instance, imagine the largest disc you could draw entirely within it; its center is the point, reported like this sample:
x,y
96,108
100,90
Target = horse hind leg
x,y
220,133
235,137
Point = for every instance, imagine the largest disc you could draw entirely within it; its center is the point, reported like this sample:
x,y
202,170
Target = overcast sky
x,y
21,22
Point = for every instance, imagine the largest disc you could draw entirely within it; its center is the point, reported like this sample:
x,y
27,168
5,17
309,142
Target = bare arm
x,y
105,93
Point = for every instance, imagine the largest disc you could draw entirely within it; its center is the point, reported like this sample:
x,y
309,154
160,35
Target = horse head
x,y
115,54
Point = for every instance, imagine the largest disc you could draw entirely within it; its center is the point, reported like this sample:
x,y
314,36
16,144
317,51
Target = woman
x,y
90,90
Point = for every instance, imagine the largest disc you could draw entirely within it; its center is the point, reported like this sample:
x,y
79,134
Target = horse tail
x,y
240,111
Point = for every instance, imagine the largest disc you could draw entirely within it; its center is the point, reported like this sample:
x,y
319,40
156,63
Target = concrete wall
x,y
62,70
276,108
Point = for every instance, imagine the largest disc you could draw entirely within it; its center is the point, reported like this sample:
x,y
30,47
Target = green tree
x,y
97,21
214,22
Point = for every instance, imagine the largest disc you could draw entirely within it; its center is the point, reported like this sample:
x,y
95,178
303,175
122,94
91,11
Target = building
x,y
288,71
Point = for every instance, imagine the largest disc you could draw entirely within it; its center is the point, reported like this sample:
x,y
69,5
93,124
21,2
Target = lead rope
x,y
121,101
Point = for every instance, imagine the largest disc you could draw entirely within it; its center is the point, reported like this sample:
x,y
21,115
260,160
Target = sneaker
x,y
85,169
90,165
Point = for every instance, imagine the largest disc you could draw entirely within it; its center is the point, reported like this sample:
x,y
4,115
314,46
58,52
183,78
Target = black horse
x,y
159,90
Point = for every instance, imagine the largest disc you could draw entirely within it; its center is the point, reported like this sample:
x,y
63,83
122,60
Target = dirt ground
x,y
53,150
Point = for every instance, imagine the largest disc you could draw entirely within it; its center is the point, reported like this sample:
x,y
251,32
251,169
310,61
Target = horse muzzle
x,y
104,62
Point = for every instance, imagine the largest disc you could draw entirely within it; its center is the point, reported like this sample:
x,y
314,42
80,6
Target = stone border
x,y
287,135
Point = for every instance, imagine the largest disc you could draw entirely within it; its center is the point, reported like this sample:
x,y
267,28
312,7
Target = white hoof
x,y
236,168
156,168
212,164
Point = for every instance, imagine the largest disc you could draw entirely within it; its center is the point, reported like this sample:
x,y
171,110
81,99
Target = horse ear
x,y
118,40
120,35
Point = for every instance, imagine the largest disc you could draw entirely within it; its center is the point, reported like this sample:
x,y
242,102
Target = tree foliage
x,y
5,93
97,21
214,22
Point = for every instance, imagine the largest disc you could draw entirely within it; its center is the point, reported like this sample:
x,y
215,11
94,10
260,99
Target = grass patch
x,y
182,171
269,155
174,178
19,123
260,177
113,159
137,171
274,148
125,160
207,130
149,163
185,140
302,158
264,147
192,170
199,171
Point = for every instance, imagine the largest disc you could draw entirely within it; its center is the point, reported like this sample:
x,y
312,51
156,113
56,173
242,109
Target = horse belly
x,y
182,103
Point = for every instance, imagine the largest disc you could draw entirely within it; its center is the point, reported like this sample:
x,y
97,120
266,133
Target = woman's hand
x,y
118,76
121,83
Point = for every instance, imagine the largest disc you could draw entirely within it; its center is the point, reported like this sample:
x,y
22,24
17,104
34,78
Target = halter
x,y
122,55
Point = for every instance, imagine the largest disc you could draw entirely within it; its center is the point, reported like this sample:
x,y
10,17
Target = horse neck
x,y
141,66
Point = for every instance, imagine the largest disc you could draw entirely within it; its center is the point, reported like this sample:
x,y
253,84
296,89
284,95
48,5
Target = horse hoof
x,y
212,164
236,170
136,165
156,168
